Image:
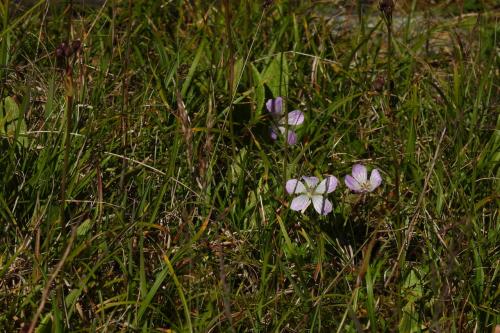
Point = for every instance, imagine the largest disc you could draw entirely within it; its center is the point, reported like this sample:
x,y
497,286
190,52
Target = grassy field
x,y
146,178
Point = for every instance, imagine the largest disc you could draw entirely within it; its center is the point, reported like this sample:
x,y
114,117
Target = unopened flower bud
x,y
387,7
67,50
76,46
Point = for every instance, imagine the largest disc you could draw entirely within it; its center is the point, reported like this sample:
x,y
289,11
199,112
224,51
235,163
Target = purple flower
x,y
359,181
294,118
311,191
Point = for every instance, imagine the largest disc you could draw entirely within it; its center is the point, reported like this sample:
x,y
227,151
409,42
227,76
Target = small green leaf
x,y
289,247
260,92
238,70
45,324
72,297
413,291
236,168
276,76
84,228
12,121
192,69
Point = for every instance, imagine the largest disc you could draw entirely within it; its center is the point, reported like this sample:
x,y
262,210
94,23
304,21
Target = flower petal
x,y
291,135
352,184
375,179
321,205
327,185
292,138
311,182
273,133
295,186
300,203
359,173
275,106
295,118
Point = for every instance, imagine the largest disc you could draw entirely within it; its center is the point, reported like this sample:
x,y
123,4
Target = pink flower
x,y
312,191
359,181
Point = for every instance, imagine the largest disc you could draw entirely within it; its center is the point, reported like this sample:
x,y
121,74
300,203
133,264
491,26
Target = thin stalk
x,y
69,89
230,45
3,49
123,116
67,139
386,7
389,104
69,17
226,292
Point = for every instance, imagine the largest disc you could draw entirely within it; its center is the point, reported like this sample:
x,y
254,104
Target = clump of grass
x,y
175,213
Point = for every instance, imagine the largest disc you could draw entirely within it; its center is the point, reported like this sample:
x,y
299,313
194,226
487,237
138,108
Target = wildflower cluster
x,y
310,189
